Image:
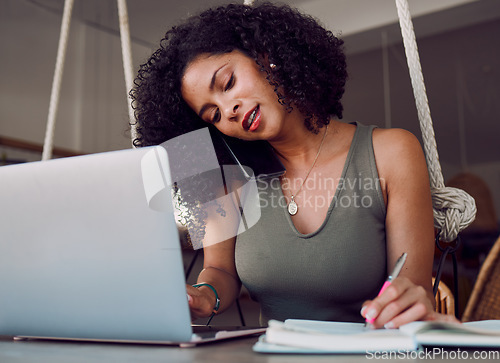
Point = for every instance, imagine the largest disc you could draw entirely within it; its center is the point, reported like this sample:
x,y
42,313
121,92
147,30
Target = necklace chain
x,y
292,206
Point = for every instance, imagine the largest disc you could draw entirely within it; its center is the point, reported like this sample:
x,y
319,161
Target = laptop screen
x,y
84,255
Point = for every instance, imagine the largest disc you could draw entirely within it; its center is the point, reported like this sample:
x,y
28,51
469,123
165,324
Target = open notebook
x,y
90,250
328,337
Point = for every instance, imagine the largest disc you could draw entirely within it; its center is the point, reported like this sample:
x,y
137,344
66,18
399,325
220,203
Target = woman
x,y
357,197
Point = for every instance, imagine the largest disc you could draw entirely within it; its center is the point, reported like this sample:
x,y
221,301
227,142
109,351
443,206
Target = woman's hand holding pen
x,y
400,303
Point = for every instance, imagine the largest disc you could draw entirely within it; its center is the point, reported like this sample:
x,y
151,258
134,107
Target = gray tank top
x,y
327,274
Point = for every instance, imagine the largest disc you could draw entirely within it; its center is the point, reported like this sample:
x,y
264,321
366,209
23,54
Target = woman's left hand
x,y
402,302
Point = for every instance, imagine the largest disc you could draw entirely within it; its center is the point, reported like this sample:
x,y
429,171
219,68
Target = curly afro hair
x,y
309,62
309,68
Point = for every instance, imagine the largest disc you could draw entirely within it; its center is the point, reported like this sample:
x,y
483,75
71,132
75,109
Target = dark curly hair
x,y
310,66
310,69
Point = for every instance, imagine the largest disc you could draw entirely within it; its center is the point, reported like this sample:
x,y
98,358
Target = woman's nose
x,y
232,111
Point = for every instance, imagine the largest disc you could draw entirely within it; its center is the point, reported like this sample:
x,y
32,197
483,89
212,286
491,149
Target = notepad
x,y
307,336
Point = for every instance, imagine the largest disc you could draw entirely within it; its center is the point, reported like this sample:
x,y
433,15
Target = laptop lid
x,y
83,255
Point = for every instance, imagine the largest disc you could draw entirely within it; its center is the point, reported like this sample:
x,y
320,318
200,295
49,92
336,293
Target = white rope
x,y
127,61
454,209
48,144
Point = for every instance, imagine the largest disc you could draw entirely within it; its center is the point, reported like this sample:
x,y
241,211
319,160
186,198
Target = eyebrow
x,y
211,87
214,76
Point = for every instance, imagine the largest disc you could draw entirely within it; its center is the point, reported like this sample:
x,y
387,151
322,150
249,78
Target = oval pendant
x,y
292,208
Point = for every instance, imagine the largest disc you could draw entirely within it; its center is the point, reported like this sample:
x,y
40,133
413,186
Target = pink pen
x,y
395,272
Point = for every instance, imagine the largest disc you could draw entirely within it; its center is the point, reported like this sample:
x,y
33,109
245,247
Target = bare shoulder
x,y
397,152
391,140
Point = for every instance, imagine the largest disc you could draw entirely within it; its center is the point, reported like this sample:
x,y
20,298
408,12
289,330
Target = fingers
x,y
373,309
199,303
400,303
417,311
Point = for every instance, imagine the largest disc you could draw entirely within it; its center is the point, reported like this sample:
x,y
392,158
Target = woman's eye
x,y
230,83
216,117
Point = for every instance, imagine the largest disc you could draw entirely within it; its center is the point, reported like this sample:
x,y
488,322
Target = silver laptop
x,y
89,250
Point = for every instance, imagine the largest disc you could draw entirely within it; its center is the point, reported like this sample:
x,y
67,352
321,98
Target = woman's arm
x,y
219,269
409,228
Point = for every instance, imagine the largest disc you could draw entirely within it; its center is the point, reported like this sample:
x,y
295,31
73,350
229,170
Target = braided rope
x,y
127,61
454,209
48,144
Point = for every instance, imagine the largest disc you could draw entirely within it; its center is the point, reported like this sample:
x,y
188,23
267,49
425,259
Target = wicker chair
x,y
445,301
484,302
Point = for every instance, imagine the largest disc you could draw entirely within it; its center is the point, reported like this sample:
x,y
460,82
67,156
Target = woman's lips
x,y
251,121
